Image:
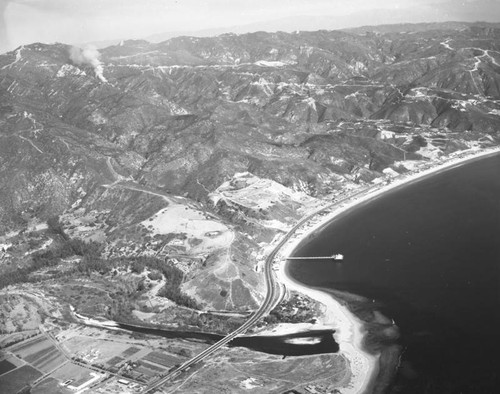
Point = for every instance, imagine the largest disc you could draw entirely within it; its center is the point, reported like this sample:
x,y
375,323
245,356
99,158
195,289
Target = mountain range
x,y
122,134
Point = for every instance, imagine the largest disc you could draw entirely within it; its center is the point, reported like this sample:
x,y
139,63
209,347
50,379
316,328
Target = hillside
x,y
118,143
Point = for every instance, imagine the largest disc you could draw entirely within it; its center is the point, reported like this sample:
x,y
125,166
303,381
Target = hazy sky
x,y
80,21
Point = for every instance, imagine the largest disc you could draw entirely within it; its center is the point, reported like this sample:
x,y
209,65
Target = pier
x,y
335,257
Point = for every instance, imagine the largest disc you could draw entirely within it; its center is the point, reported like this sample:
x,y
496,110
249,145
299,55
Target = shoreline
x,y
349,329
348,333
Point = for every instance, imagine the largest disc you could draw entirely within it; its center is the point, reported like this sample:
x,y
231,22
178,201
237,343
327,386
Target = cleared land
x,y
238,370
97,350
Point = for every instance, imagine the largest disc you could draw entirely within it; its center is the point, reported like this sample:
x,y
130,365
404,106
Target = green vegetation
x,y
49,258
55,227
214,323
91,262
173,275
155,275
297,309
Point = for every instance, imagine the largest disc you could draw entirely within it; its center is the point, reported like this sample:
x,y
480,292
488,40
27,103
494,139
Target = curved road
x,y
269,303
266,307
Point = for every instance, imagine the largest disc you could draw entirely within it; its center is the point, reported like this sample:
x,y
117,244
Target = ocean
x,y
422,268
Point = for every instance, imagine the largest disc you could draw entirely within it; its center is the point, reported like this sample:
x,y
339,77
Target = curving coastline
x,y
348,334
349,331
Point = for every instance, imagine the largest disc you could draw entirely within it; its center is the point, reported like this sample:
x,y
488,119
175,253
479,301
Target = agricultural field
x,y
144,371
164,359
137,358
131,351
98,351
43,357
40,352
9,364
50,386
6,366
114,363
77,374
143,365
15,380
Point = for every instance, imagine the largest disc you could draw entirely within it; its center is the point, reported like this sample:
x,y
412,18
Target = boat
x,y
338,256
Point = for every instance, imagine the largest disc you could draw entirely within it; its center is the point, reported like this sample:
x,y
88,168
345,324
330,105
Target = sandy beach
x,y
348,328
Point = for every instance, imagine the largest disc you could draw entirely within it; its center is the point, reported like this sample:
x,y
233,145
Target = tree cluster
x,y
173,275
91,261
88,251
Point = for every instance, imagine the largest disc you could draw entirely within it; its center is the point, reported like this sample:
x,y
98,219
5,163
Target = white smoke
x,y
88,56
4,38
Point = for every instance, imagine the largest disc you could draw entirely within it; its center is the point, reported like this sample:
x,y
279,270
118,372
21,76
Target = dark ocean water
x,y
427,256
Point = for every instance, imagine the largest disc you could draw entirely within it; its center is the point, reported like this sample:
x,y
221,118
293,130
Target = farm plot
x,y
115,361
50,386
40,353
164,359
15,380
99,351
6,366
130,351
22,346
10,363
72,372
145,372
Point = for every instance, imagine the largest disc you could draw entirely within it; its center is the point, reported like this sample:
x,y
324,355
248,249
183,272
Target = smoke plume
x,y
4,39
88,56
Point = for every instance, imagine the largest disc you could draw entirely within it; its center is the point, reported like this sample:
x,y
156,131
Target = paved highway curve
x,y
271,300
271,297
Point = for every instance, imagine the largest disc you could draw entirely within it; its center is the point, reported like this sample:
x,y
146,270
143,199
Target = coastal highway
x,y
273,297
273,288
271,300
